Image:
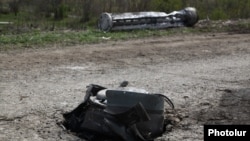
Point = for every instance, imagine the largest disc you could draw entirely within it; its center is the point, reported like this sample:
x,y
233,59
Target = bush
x,y
60,12
218,14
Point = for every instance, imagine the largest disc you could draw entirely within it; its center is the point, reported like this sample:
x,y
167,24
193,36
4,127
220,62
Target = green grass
x,y
64,38
42,39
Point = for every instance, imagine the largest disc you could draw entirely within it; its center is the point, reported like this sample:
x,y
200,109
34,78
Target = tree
x,y
86,10
14,6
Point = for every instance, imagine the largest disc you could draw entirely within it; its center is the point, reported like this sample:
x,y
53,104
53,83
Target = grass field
x,y
39,39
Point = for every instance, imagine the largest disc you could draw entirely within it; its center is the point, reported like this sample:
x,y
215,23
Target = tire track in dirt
x,y
173,48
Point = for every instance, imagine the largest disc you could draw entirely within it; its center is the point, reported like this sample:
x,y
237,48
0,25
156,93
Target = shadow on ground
x,y
233,108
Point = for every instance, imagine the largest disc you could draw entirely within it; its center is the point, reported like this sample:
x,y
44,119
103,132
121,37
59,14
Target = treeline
x,y
88,11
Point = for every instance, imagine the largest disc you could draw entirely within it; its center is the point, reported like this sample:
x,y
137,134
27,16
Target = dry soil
x,y
207,76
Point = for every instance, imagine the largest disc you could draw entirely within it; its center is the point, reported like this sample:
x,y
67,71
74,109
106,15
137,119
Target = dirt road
x,y
207,76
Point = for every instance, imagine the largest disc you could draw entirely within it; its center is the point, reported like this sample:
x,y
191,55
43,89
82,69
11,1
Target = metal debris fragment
x,y
147,20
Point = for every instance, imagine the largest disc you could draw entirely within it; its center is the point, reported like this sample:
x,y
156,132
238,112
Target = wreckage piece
x,y
124,114
147,20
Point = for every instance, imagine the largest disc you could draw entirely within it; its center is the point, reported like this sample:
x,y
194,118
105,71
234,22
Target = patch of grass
x,y
41,39
243,27
67,37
